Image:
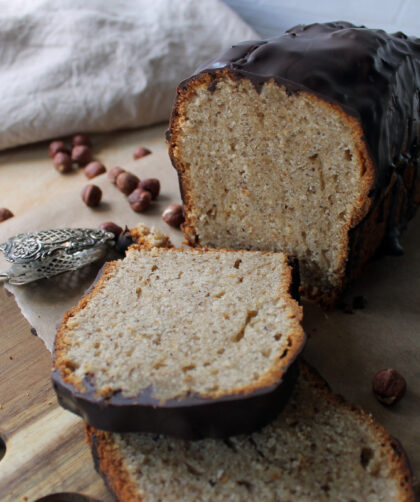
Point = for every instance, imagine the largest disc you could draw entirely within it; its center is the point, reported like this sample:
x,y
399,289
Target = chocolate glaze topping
x,y
372,75
192,417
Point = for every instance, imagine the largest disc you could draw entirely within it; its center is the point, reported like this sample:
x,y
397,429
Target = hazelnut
x,y
5,214
110,226
62,162
81,154
113,173
93,169
388,386
126,182
57,146
140,152
152,185
174,215
81,139
91,195
139,200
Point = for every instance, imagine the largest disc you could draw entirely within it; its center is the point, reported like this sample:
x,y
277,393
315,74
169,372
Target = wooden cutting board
x,y
46,452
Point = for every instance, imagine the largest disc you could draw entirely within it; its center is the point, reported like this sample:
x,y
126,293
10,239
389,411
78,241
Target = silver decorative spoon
x,y
44,254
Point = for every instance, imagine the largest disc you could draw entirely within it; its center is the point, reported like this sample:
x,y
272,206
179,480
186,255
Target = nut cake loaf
x,y
307,143
187,342
318,449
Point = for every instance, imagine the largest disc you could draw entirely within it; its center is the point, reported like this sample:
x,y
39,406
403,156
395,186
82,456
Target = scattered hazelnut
x,y
139,200
91,195
126,182
140,152
5,214
93,169
113,173
151,185
57,146
62,162
110,226
388,386
81,154
81,139
174,215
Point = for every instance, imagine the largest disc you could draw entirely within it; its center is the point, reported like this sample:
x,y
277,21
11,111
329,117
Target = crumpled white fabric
x,y
71,66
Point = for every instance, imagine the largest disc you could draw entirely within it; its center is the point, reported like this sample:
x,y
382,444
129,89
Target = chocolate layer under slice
x,y
188,418
185,342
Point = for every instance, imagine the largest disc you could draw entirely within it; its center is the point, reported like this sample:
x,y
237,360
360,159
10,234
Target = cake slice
x,y
188,342
307,143
318,449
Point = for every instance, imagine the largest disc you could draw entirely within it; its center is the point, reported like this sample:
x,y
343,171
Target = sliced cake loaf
x,y
307,143
188,342
318,449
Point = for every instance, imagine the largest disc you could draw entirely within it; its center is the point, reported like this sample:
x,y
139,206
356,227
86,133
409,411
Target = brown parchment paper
x,y
347,349
56,203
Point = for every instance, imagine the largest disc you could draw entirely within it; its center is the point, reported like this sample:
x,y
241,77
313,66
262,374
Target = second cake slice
x,y
188,342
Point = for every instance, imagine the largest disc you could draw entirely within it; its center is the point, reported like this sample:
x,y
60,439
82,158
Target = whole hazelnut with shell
x,y
389,386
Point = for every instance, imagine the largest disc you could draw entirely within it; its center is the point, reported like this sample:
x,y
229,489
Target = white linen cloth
x,y
71,66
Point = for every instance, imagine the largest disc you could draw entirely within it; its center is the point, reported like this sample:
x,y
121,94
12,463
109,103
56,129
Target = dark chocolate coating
x,y
375,76
192,417
372,75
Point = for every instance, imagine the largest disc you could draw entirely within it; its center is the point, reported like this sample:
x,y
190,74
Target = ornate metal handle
x,y
44,254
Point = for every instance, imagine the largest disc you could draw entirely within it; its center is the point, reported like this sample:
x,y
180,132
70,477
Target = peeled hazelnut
x,y
91,195
5,214
152,185
174,215
81,139
62,162
110,226
126,182
57,146
140,152
81,154
139,200
388,386
93,169
113,173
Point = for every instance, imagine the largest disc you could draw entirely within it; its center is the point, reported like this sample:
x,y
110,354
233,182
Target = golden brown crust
x,y
111,461
61,345
148,238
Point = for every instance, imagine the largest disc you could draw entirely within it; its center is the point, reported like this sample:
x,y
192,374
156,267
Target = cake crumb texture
x,y
180,322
